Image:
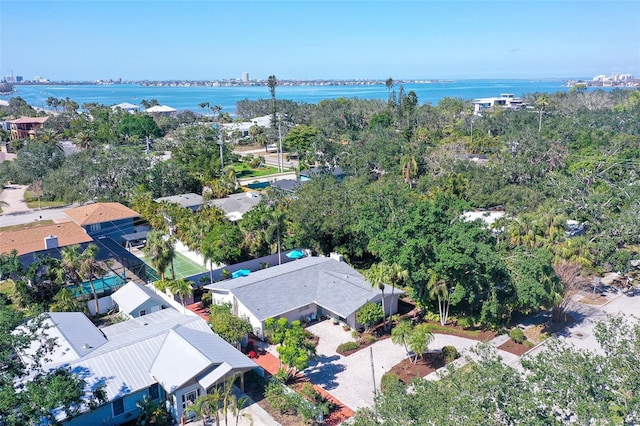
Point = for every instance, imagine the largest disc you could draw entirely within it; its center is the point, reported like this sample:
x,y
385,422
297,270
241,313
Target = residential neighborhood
x,y
400,258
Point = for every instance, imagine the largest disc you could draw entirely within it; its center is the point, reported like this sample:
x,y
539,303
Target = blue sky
x,y
455,39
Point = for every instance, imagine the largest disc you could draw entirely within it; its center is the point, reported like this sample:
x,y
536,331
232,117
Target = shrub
x,y
466,322
517,335
206,299
347,346
389,381
367,339
278,398
432,316
450,353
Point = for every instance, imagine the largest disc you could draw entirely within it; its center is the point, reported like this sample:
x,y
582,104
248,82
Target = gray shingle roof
x,y
276,290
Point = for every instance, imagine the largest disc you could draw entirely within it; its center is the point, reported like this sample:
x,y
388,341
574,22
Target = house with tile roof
x,y
111,220
310,287
167,356
43,237
25,127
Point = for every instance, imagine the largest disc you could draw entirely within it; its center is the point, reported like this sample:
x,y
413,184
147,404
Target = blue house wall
x,y
104,415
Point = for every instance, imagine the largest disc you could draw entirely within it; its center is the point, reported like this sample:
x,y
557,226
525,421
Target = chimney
x,y
50,242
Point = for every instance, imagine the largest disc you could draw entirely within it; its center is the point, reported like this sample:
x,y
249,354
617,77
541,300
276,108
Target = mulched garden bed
x,y
518,349
407,370
455,330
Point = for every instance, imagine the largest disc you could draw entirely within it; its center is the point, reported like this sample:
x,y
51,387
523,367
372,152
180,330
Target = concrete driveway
x,y
351,379
12,199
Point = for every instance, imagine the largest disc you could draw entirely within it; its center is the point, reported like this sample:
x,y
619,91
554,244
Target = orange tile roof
x,y
29,120
32,239
100,212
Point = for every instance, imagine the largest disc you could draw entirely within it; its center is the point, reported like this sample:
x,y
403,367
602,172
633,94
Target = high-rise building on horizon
x,y
245,77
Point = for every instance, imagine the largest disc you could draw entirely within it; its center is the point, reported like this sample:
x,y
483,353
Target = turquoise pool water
x,y
101,285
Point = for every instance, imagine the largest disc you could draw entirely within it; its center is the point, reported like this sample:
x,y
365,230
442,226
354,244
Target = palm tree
x,y
181,288
419,340
90,268
389,84
79,266
272,82
65,301
377,275
409,170
395,275
237,405
161,251
203,105
206,405
542,102
401,333
439,290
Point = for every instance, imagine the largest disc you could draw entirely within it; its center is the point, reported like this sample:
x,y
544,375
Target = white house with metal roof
x,y
135,300
310,287
165,355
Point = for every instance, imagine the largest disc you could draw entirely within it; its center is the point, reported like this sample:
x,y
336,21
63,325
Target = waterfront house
x,y
505,101
161,110
126,106
305,289
25,127
167,356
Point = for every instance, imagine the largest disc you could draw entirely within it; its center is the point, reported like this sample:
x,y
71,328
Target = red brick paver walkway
x,y
271,364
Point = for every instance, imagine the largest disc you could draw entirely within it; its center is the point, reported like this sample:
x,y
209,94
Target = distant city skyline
x,y
307,39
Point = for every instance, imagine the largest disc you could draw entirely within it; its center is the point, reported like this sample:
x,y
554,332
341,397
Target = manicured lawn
x,y
244,171
32,201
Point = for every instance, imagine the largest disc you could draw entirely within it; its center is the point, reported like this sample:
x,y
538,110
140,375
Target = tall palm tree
x,y
161,251
237,405
395,275
78,266
90,268
542,102
409,170
377,275
272,83
206,405
401,333
204,106
181,288
439,290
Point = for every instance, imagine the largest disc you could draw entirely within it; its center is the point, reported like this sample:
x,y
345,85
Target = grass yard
x,y
244,171
32,201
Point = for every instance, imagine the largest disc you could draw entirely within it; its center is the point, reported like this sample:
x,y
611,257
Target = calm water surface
x,y
188,98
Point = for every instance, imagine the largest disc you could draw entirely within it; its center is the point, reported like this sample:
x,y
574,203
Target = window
x,y
154,391
94,227
189,398
118,406
303,308
142,312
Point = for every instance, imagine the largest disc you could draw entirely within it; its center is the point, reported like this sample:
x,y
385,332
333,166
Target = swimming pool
x,y
109,283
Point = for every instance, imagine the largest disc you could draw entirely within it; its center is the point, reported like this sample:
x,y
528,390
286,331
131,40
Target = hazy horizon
x,y
314,40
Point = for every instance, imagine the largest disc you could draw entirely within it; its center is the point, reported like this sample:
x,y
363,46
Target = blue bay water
x,y
188,98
